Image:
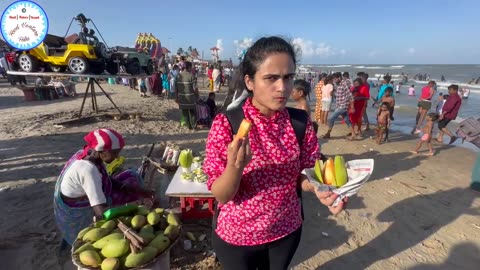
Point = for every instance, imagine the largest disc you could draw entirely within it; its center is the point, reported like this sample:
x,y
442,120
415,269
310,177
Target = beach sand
x,y
424,217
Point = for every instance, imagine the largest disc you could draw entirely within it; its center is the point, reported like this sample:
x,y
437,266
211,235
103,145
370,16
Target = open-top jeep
x,y
134,62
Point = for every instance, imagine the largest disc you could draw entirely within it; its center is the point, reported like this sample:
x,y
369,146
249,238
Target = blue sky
x,y
329,32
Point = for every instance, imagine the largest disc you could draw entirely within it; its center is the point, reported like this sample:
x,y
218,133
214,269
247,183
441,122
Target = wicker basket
x,y
160,262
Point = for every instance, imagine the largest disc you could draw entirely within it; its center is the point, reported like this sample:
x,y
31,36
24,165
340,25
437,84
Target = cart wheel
x,y
28,63
78,65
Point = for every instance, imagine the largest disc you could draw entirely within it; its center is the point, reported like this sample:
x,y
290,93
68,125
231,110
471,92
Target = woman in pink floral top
x,y
255,179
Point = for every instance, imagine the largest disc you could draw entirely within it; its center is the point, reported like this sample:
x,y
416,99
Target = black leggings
x,y
275,255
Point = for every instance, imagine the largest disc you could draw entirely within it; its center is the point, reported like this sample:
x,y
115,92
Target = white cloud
x,y
245,43
411,50
219,45
309,48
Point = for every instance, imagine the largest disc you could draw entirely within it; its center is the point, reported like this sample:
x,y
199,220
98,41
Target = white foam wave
x,y
379,67
392,75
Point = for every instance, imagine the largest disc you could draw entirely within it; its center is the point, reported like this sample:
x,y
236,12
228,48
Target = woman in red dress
x,y
358,104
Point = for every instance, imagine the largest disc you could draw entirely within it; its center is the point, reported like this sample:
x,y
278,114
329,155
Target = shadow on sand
x,y
421,216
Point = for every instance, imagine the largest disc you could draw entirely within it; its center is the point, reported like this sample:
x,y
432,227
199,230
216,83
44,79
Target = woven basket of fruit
x,y
131,237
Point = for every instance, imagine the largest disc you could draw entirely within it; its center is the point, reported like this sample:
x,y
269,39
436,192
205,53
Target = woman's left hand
x,y
327,198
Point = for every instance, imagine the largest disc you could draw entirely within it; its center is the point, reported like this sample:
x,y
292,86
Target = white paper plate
x,y
358,171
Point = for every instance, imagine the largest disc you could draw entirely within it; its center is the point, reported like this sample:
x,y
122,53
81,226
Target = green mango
x,y
160,242
147,236
86,246
110,264
83,232
90,258
116,248
172,219
147,229
172,232
101,243
154,218
138,221
95,234
159,210
111,224
136,259
142,210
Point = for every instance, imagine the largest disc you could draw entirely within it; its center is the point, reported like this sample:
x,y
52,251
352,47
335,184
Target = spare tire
x,y
101,50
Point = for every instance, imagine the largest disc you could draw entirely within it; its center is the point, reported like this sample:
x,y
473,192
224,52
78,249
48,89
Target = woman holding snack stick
x,y
255,175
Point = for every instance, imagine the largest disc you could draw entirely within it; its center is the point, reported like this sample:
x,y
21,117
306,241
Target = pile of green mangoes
x,y
104,246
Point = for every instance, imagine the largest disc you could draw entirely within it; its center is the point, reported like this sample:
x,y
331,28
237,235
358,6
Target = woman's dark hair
x,y
387,78
358,80
328,79
303,86
263,48
434,116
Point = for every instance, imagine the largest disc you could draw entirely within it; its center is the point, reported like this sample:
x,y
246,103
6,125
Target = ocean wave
x,y
336,66
380,67
392,75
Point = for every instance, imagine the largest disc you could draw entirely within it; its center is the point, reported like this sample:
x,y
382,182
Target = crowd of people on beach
x,y
338,97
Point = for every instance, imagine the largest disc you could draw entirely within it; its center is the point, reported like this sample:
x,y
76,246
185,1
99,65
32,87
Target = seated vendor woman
x,y
84,189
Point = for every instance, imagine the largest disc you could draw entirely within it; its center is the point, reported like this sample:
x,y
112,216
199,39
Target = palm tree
x,y
180,51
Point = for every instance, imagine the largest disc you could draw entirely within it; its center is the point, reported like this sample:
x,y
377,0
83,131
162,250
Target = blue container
x,y
475,185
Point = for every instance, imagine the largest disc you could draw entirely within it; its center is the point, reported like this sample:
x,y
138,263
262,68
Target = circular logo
x,y
24,25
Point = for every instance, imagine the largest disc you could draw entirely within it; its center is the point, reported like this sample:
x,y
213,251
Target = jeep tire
x,y
112,67
56,68
27,62
97,68
133,67
149,68
78,65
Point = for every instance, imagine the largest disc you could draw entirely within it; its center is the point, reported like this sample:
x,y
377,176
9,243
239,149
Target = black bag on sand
x,y
469,130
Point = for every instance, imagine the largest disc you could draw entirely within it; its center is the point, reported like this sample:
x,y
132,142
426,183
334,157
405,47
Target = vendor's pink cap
x,y
104,139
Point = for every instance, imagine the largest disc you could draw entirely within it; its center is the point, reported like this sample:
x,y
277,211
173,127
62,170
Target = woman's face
x,y
356,83
109,155
272,83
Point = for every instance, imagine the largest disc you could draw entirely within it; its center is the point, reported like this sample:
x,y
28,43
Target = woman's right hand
x,y
239,154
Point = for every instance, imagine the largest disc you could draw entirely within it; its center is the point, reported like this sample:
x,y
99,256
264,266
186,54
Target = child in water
x,y
383,121
301,90
427,134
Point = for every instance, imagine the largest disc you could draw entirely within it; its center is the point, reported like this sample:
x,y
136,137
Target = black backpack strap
x,y
299,119
235,116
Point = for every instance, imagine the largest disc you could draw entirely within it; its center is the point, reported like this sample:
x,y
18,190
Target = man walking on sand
x,y
449,112
343,103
